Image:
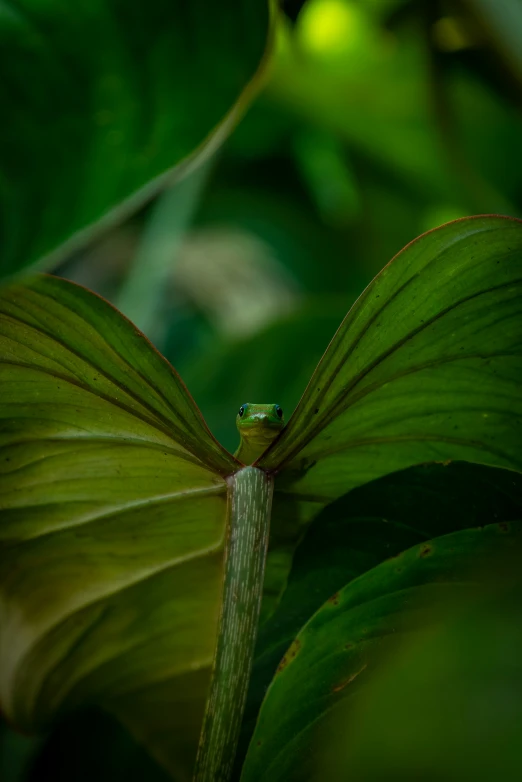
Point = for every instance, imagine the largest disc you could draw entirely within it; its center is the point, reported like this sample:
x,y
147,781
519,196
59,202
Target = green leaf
x,y
106,103
366,527
426,366
338,651
447,706
112,518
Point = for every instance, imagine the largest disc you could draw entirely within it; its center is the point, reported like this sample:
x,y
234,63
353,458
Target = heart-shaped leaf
x,y
338,650
104,101
112,518
426,366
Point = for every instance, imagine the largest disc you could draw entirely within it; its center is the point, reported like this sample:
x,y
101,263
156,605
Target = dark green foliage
x,y
368,525
388,644
103,102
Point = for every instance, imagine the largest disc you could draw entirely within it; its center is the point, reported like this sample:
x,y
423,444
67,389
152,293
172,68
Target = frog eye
x,y
241,411
279,411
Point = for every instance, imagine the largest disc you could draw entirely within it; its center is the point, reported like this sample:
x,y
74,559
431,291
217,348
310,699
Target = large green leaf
x,y
102,100
112,517
367,526
426,366
338,651
447,706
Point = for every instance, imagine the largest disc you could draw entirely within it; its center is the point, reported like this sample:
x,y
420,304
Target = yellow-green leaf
x,y
426,366
112,518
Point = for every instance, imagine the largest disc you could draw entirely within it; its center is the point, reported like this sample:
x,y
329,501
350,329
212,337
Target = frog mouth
x,y
266,421
260,427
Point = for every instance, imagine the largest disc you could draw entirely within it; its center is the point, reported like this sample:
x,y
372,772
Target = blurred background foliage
x,y
380,119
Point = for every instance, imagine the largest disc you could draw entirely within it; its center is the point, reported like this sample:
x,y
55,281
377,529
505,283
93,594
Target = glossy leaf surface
x,y
426,366
112,518
105,100
337,652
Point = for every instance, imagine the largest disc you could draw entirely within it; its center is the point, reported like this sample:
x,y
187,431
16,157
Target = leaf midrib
x,y
161,499
107,443
154,424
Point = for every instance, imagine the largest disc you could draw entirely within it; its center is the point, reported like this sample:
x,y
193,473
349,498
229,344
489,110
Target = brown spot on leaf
x,y
349,680
504,526
426,550
296,645
290,655
334,599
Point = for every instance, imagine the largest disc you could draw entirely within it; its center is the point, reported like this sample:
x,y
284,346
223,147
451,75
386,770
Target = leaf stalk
x,y
250,503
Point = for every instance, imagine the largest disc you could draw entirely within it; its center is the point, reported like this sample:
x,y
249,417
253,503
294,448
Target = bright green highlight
x,y
258,427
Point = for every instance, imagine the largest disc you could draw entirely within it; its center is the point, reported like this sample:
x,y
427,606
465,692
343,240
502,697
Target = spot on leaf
x,y
349,680
290,655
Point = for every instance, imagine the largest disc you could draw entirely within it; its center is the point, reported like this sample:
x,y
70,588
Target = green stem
x,y
250,502
141,295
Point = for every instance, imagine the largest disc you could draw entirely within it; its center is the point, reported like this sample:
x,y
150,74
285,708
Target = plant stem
x,y
140,296
250,502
